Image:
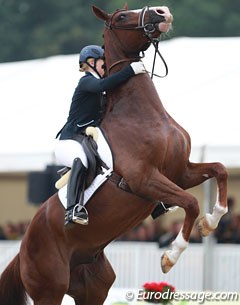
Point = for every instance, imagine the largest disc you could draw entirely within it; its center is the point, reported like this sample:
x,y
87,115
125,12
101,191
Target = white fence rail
x,y
137,262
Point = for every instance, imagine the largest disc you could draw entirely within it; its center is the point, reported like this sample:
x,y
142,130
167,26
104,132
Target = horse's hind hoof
x,y
166,264
203,227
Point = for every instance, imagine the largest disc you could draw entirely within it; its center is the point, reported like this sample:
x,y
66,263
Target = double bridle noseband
x,y
149,29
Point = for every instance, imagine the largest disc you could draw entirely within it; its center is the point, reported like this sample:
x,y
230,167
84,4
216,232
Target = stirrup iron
x,y
76,214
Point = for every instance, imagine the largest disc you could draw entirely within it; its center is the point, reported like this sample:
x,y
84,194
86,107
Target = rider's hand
x,y
138,67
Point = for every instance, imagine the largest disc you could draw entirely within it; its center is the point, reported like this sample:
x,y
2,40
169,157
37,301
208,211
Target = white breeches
x,y
67,150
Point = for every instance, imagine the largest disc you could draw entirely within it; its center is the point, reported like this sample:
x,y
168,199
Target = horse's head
x,y
128,32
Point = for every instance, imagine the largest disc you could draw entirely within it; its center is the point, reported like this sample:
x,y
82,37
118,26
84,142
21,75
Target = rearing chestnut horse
x,y
151,152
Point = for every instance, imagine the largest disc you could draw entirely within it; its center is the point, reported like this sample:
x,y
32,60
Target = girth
x,y
122,184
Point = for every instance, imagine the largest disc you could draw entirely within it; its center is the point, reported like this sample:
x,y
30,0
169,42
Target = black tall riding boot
x,y
76,212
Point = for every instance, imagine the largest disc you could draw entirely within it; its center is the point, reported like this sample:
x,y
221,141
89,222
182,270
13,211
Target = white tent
x,y
200,92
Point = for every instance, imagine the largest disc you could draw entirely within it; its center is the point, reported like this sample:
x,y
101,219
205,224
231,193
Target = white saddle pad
x,y
106,155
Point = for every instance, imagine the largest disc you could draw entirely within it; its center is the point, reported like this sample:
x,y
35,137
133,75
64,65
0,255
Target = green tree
x,y
32,28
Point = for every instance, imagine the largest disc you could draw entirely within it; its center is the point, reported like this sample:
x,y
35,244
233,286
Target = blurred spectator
x,y
154,230
129,235
231,233
225,230
2,235
146,231
142,233
195,236
236,229
167,238
10,231
13,231
22,228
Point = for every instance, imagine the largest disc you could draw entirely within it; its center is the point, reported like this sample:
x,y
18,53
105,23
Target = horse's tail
x,y
12,291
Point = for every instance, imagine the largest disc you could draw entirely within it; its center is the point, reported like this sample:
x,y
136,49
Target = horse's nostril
x,y
159,11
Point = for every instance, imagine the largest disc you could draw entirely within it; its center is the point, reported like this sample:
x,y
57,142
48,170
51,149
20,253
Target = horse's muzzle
x,y
166,18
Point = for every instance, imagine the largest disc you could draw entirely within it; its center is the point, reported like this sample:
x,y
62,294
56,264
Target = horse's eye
x,y
121,17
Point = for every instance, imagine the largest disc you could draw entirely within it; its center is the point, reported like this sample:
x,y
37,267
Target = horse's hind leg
x,y
44,268
90,283
50,300
48,290
195,174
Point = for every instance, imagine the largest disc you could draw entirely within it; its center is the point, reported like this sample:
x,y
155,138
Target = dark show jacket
x,y
86,103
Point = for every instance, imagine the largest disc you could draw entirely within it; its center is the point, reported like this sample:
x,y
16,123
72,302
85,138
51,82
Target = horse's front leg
x,y
158,187
195,174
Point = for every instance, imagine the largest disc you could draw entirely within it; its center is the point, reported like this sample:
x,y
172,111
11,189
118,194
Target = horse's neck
x,y
137,97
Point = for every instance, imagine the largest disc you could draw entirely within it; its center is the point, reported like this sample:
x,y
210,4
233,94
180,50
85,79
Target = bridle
x,y
149,29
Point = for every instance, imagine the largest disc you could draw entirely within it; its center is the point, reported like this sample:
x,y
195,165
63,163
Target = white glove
x,y
138,67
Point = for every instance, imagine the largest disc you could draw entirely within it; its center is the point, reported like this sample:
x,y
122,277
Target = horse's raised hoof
x,y
166,264
203,227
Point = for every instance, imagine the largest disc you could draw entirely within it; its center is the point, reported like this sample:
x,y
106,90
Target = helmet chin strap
x,y
94,67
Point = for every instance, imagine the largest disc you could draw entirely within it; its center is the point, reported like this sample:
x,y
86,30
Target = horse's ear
x,y
126,7
100,13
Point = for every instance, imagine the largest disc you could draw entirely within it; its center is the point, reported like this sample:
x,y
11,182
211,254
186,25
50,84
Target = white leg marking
x,y
177,247
214,218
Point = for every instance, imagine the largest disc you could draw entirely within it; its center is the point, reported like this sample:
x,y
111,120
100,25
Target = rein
x,y
155,43
149,29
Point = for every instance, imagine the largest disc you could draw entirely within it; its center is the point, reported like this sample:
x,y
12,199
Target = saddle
x,y
95,164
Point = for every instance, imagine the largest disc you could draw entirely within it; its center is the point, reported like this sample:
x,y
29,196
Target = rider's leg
x,y
71,154
67,150
75,188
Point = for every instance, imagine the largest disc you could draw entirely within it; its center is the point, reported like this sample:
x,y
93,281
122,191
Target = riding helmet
x,y
91,51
